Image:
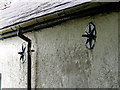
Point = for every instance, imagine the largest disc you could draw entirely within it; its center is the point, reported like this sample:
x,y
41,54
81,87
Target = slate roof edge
x,y
42,21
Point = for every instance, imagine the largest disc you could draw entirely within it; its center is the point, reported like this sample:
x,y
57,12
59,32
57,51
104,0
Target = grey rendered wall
x,y
61,58
14,72
63,61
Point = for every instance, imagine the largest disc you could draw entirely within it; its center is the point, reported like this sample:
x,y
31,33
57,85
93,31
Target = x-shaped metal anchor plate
x,y
90,35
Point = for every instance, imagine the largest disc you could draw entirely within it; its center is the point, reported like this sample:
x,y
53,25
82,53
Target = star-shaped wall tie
x,y
23,53
90,35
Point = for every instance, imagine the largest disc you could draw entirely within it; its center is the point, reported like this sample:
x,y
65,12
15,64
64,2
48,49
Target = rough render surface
x,y
14,73
61,59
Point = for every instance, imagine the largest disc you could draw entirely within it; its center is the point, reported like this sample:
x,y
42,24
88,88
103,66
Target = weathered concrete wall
x,y
64,61
61,58
10,66
14,72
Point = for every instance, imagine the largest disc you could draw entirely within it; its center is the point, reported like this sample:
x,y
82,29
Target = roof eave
x,y
48,20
